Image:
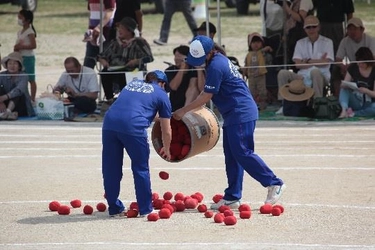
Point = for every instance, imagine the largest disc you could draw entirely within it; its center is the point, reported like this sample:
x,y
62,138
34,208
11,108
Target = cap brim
x,y
310,25
193,61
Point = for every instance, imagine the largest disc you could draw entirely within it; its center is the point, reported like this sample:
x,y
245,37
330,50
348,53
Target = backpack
x,y
327,107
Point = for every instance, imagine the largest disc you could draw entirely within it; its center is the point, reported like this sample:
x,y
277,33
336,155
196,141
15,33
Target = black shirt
x,y
333,11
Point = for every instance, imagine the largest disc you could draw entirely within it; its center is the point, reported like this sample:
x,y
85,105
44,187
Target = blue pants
x,y
112,160
238,144
172,6
348,99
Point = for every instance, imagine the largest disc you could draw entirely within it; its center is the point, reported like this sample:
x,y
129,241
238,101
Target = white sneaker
x,y
159,42
274,193
280,111
232,204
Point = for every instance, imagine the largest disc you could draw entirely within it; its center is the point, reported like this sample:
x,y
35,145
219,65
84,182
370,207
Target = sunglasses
x,y
311,27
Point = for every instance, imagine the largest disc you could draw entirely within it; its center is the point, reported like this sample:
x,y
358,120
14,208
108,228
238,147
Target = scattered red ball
x,y
244,207
64,210
266,209
131,213
217,198
223,208
153,217
219,218
54,205
276,211
191,203
280,207
199,196
208,214
167,195
230,220
245,214
180,205
163,175
157,204
88,209
76,203
164,213
168,206
101,207
134,206
155,196
228,212
202,208
179,196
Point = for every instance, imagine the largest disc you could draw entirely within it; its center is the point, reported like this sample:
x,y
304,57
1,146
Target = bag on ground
x,y
49,108
326,107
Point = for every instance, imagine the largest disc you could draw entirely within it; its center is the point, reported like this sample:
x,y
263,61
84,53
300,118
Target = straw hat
x,y
296,91
14,56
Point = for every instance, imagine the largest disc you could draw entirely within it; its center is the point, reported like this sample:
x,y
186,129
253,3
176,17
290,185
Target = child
x,y
257,57
26,44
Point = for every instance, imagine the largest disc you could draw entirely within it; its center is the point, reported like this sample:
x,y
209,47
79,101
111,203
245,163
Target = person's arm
x,y
165,125
139,20
175,83
108,13
201,100
201,79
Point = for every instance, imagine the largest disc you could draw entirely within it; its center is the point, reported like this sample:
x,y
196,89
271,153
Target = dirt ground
x,y
328,168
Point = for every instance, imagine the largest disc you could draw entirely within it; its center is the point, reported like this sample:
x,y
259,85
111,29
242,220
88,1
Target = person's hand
x,y
103,62
165,154
267,49
363,90
70,92
178,114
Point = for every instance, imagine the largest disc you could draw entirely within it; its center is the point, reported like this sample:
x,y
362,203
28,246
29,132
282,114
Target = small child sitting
x,y
257,58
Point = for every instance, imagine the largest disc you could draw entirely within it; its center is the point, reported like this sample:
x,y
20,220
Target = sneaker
x,y
274,193
159,42
232,204
12,116
119,215
280,111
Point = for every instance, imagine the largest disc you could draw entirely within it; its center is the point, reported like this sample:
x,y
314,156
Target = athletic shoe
x,y
274,193
280,111
232,204
145,215
159,42
119,215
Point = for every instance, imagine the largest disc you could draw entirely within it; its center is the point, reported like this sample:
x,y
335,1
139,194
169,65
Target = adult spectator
x,y
126,53
182,78
127,8
272,15
172,6
202,30
15,99
361,100
92,39
312,56
356,38
332,14
296,12
80,83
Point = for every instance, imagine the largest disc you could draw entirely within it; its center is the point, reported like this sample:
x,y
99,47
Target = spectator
x,y
14,95
126,53
296,12
359,102
256,59
356,38
128,8
228,91
25,44
332,14
172,6
92,35
272,15
182,78
312,56
125,127
80,83
202,30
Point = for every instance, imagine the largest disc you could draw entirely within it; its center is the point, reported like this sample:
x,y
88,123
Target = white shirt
x,y
275,16
306,50
349,47
23,37
86,82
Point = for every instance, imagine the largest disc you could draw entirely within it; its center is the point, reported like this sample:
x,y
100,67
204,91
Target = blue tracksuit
x,y
239,111
125,126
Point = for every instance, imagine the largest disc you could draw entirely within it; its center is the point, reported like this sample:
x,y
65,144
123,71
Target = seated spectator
x,y
126,53
360,102
80,83
256,59
182,78
356,38
15,98
312,56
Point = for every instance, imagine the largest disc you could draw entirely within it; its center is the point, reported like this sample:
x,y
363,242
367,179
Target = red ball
x,y
217,198
167,195
157,204
208,214
185,150
219,218
199,196
134,206
88,209
101,207
202,208
228,212
266,209
180,205
175,148
54,205
64,210
153,217
230,220
245,214
276,211
168,206
280,207
163,175
191,203
76,203
155,196
179,196
244,207
223,208
164,213
131,213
